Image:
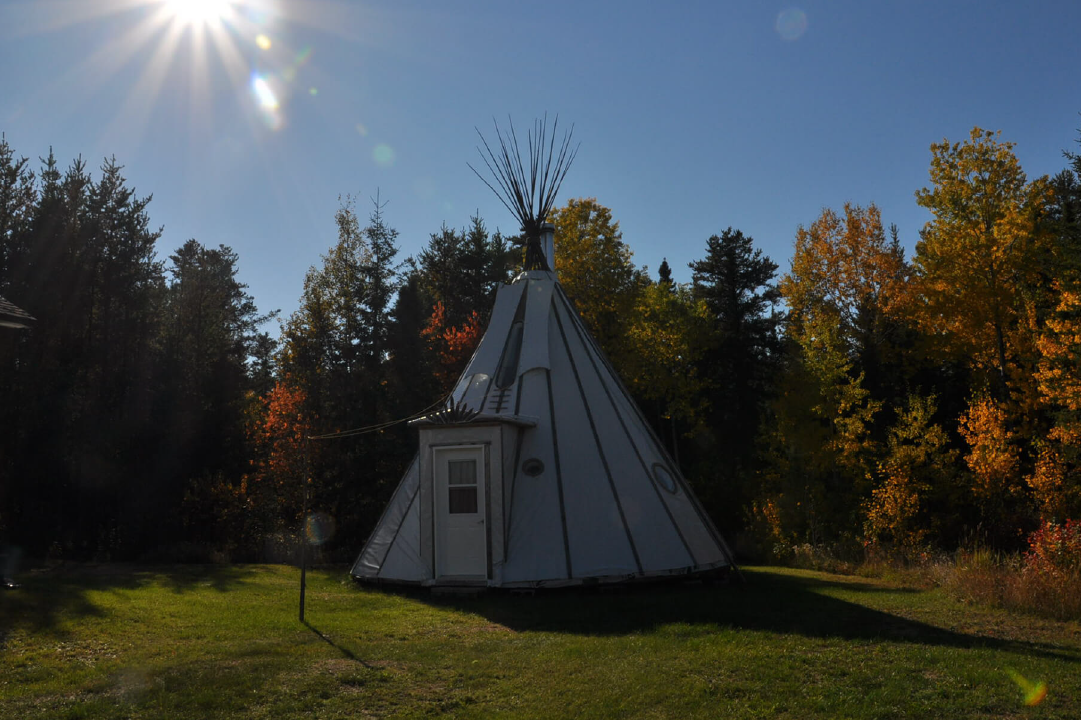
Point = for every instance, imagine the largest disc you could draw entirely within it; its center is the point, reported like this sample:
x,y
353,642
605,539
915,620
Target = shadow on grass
x,y
50,597
767,602
346,652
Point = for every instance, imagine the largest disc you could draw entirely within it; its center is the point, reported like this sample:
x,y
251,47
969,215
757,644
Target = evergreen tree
x,y
336,349
664,273
462,269
739,358
18,196
86,267
380,278
411,371
440,272
209,332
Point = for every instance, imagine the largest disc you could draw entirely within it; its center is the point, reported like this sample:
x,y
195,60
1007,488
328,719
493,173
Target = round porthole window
x,y
533,467
664,478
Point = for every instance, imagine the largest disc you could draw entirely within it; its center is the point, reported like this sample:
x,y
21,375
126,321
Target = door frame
x,y
439,522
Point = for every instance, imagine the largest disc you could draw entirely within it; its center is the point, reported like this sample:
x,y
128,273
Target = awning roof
x,y
13,316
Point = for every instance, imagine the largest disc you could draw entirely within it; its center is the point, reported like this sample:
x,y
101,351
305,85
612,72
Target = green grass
x,y
223,642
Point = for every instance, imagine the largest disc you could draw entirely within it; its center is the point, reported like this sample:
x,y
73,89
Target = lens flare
x,y
383,155
228,46
791,24
1034,692
319,528
267,101
263,93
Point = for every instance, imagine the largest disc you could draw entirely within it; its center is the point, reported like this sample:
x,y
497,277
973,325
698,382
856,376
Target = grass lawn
x,y
210,642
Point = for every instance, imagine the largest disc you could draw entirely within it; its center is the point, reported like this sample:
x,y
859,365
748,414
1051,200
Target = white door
x,y
461,542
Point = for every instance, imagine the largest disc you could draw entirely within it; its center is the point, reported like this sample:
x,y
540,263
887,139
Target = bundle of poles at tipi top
x,y
529,194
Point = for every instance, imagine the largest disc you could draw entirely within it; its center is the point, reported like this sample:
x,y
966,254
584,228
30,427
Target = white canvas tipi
x,y
542,471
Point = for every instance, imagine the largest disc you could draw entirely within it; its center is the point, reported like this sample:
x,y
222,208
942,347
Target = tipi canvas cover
x,y
543,473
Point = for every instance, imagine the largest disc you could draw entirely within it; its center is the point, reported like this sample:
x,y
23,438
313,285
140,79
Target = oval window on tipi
x,y
664,478
533,467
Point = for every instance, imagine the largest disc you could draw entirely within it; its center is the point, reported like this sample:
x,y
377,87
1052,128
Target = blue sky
x,y
692,116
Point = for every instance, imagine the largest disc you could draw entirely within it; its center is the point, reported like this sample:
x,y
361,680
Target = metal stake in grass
x,y
304,531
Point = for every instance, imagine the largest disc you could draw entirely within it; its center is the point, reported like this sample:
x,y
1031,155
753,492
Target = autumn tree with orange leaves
x,y
280,440
845,281
452,346
241,514
845,272
994,460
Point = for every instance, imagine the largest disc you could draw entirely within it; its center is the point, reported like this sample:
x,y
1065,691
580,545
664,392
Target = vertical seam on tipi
x,y
559,475
507,513
677,474
634,406
597,440
645,468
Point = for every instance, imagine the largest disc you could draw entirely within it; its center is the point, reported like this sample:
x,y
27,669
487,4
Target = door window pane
x,y
462,490
462,500
462,472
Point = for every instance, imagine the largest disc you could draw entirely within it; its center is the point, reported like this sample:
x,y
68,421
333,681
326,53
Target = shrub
x,y
1045,580
1054,550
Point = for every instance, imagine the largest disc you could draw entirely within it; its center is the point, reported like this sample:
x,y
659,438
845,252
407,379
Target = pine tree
x,y
739,357
18,196
337,348
664,273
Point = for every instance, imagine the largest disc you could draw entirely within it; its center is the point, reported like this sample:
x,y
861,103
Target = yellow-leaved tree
x,y
994,460
845,264
917,480
977,255
595,269
663,350
844,281
1056,478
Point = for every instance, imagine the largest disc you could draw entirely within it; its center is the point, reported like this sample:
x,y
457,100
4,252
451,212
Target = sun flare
x,y
198,12
188,55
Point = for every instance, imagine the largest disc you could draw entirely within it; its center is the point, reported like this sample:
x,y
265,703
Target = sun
x,y
187,55
198,12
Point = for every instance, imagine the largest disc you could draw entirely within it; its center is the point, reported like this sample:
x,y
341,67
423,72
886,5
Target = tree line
x,y
862,399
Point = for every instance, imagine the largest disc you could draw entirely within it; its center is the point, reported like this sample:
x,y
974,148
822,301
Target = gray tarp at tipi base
x,y
578,486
